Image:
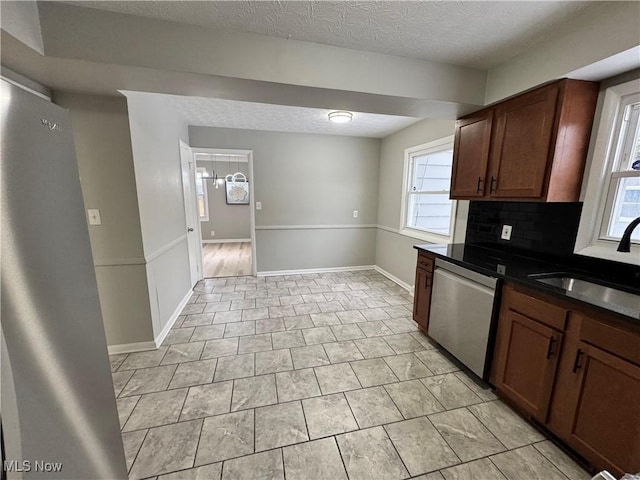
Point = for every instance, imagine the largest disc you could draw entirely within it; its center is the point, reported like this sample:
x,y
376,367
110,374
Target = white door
x,y
191,212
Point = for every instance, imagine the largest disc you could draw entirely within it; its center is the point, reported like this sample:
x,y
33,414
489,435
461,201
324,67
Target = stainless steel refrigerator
x,y
58,411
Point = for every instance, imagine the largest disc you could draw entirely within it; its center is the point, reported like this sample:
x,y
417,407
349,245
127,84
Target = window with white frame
x,y
201,194
427,209
622,204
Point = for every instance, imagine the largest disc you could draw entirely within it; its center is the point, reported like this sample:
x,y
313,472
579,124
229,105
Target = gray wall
x,y
307,180
589,38
105,162
394,252
156,129
228,221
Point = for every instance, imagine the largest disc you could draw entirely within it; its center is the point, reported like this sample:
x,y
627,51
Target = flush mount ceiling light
x,y
340,116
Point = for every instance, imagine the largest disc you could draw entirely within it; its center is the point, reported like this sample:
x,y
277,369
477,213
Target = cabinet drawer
x,y
425,262
546,313
614,340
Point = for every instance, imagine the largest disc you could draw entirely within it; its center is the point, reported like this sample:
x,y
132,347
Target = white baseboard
x,y
131,347
393,278
152,345
172,319
229,240
315,270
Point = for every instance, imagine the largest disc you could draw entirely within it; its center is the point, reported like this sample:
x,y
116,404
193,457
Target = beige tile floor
x,y
320,376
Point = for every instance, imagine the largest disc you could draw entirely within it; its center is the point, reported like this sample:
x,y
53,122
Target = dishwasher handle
x,y
467,274
441,273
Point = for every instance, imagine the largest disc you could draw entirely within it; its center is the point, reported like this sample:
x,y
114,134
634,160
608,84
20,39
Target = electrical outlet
x,y
258,205
506,232
94,216
355,214
213,233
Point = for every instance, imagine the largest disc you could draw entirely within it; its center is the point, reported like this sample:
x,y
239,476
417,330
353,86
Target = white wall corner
x,y
393,278
172,320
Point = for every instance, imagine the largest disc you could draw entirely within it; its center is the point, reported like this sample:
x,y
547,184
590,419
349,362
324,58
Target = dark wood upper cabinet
x,y
471,151
521,143
537,145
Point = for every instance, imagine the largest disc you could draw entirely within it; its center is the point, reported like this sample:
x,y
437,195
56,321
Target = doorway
x,y
192,226
224,198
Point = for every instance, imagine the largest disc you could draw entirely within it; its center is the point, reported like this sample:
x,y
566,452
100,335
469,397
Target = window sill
x,y
425,236
610,253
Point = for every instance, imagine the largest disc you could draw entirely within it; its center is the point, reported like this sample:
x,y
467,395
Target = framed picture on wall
x,y
237,193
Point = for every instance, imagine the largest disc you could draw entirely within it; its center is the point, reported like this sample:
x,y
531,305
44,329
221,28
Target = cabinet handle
x,y
426,281
552,340
493,182
480,179
576,362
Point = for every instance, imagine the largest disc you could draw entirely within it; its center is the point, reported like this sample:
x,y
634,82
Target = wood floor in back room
x,y
226,259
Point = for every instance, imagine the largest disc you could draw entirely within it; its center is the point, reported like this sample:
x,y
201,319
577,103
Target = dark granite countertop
x,y
517,267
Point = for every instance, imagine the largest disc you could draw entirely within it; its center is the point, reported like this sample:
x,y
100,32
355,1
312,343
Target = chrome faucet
x,y
625,241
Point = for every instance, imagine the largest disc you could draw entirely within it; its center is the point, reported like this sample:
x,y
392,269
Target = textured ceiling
x,y
474,34
215,112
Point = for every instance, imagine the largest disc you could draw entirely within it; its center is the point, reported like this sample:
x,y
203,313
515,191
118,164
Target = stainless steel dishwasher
x,y
461,318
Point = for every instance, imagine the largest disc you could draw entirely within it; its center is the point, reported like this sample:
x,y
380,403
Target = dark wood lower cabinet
x,y
574,370
605,418
526,367
422,290
422,297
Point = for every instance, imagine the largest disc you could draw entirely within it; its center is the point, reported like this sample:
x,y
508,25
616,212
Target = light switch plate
x,y
506,232
94,216
355,214
258,205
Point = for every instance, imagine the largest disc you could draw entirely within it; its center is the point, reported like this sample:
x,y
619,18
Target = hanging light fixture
x,y
213,176
237,177
340,116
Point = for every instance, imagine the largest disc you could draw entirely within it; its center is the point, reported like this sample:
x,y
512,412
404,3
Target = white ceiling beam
x,y
93,78
20,19
97,36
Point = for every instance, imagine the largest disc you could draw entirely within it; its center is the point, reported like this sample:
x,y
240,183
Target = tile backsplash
x,y
539,227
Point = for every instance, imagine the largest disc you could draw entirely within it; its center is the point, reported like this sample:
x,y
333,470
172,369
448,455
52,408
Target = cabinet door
x,y
522,144
471,155
527,360
422,297
606,410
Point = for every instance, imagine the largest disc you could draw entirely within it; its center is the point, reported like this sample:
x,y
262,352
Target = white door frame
x,y
193,210
249,154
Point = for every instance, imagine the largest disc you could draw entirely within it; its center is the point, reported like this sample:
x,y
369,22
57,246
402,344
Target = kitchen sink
x,y
591,292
